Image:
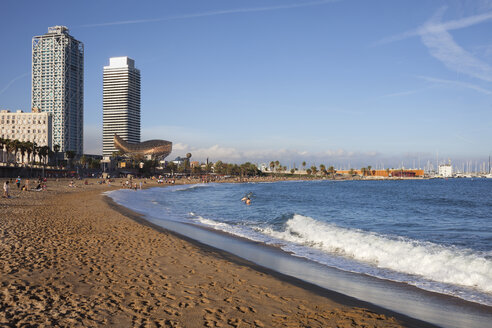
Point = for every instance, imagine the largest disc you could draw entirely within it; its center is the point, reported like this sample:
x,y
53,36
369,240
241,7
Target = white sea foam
x,y
234,230
424,259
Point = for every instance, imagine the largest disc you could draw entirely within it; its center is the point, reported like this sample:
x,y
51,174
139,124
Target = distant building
x,y
34,127
408,173
58,85
179,161
121,103
446,170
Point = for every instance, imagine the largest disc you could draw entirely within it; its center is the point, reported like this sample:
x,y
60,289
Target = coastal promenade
x,y
70,257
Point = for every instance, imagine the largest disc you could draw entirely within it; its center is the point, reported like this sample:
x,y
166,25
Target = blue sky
x,y
346,82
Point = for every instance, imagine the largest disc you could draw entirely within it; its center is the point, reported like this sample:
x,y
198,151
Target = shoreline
x,y
343,299
71,258
395,298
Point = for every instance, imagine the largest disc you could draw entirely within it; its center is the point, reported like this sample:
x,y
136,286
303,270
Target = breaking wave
x,y
434,262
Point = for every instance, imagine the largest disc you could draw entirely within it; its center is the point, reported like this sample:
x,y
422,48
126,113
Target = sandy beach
x,y
69,257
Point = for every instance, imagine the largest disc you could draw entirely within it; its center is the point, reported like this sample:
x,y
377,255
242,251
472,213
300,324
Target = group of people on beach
x,y
6,186
132,184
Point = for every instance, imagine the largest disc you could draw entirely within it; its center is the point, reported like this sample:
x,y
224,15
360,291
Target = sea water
x,y
432,234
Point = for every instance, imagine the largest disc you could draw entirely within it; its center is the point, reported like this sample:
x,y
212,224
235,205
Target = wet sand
x,y
70,258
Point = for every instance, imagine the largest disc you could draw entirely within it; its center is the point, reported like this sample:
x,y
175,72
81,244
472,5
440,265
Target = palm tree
x,y
23,150
363,171
308,171
56,149
208,167
18,147
83,160
35,152
369,170
388,172
172,167
12,147
332,171
352,172
43,153
314,169
272,166
28,146
304,165
322,169
70,155
219,167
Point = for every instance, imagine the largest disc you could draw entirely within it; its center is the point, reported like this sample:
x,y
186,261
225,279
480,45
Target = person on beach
x,y
6,189
18,181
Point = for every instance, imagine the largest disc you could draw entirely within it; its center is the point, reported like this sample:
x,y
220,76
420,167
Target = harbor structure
x,y
121,103
34,127
58,85
400,173
445,170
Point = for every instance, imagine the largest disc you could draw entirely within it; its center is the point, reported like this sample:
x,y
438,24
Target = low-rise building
x,y
34,126
446,170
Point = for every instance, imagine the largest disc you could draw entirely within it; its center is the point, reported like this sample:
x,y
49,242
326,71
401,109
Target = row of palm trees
x,y
313,170
322,170
31,149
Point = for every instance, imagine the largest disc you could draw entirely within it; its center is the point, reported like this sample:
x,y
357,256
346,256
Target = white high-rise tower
x,y
58,85
121,102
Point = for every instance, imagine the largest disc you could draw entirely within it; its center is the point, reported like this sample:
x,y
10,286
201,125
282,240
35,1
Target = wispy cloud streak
x,y
456,83
436,26
442,46
402,93
436,37
214,13
12,82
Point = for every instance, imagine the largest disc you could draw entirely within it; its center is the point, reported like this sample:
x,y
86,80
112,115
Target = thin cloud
x,y
456,84
214,13
441,45
402,93
430,28
12,82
